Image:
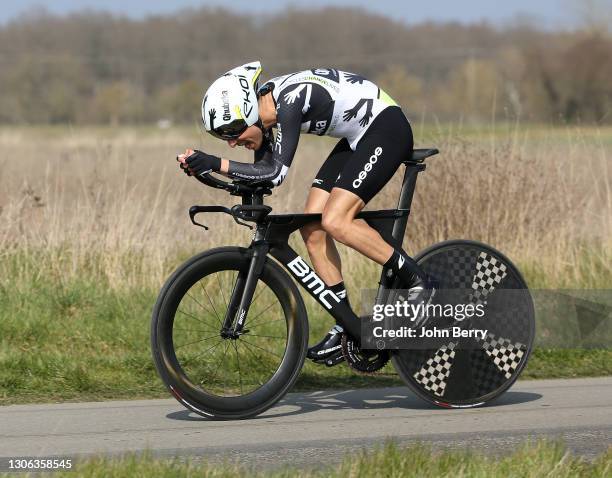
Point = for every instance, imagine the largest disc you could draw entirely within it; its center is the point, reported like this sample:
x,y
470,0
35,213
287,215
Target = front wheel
x,y
221,375
470,371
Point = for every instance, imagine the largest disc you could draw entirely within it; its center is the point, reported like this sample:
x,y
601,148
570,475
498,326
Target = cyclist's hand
x,y
196,163
182,163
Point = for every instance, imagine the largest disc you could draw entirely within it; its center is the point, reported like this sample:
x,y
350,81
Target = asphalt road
x,y
317,427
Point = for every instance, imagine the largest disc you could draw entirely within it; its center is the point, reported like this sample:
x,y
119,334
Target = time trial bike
x,y
229,330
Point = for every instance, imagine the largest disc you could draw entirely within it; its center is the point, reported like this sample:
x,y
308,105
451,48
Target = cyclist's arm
x,y
265,167
273,159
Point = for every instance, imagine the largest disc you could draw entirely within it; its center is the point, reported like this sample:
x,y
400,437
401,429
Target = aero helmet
x,y
230,103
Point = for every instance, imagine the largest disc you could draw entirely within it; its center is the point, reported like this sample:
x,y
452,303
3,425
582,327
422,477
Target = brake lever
x,y
242,223
193,210
238,211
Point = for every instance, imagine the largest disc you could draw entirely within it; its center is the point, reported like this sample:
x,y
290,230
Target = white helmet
x,y
230,104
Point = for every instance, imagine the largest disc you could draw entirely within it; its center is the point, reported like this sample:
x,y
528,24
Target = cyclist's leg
x,y
339,221
320,245
379,153
322,249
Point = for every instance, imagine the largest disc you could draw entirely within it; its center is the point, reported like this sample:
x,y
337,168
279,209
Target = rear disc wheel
x,y
467,372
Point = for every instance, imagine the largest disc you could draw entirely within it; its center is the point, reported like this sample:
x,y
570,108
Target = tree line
x,y
98,68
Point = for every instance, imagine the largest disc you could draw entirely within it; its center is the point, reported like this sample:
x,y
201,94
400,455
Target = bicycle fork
x,y
242,293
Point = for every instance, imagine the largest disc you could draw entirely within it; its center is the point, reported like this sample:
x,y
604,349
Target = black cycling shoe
x,y
328,347
421,292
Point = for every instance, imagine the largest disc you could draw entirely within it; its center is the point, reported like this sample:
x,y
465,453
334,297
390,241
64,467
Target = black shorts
x,y
381,150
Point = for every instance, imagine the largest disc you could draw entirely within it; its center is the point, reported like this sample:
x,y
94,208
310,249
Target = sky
x,y
550,14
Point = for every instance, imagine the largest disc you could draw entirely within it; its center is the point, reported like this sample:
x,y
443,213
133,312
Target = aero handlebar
x,y
235,188
240,212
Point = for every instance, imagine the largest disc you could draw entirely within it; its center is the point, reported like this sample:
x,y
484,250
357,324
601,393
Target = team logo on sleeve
x,y
279,139
320,127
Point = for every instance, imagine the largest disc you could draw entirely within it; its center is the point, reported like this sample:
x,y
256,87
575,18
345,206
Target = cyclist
x,y
375,137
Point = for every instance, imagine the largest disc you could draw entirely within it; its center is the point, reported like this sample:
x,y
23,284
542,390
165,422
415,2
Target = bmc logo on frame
x,y
368,167
312,281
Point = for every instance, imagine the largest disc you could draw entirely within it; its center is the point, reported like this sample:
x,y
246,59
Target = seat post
x,y
405,199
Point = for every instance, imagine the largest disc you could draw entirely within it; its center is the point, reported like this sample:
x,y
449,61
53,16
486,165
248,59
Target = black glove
x,y
200,163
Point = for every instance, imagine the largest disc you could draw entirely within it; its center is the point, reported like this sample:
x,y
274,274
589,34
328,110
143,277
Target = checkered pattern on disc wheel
x,y
454,269
505,355
489,274
434,374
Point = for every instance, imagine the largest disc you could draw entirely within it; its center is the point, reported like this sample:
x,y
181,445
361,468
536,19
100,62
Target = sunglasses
x,y
231,130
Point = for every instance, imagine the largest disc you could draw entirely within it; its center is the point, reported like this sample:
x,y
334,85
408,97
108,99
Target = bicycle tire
x,y
482,373
197,398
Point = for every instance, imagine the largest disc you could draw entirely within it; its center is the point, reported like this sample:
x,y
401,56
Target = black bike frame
x,y
272,236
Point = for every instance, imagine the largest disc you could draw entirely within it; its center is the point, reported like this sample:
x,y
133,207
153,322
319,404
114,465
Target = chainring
x,y
363,361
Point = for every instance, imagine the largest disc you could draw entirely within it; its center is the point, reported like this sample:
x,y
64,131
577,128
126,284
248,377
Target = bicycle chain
x,y
366,362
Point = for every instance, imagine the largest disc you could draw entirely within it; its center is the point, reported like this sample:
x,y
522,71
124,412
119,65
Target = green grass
x,y
568,363
531,460
84,340
76,341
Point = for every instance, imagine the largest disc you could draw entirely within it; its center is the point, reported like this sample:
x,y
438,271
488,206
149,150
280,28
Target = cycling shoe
x,y
421,292
330,345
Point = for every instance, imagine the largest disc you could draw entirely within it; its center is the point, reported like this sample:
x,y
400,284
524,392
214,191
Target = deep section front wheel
x,y
470,371
221,375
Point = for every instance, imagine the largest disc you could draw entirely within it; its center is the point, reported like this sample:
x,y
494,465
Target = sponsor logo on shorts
x,y
317,181
368,167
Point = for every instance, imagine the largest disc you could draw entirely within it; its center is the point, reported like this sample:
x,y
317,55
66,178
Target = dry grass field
x,y
92,221
111,204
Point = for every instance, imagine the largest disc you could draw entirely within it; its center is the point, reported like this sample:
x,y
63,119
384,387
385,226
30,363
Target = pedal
x,y
334,359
